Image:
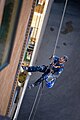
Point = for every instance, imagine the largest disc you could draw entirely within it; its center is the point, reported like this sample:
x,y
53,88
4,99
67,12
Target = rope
x,y
57,39
35,102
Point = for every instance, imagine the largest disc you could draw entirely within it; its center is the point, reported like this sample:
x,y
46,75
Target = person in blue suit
x,y
50,73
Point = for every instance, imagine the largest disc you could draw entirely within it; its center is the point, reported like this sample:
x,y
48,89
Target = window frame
x,y
13,36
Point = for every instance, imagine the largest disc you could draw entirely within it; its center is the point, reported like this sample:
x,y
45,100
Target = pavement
x,y
62,102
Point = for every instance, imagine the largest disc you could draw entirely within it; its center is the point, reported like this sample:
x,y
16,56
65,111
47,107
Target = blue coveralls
x,y
47,76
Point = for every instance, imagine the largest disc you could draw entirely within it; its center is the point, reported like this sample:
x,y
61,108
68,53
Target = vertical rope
x,y
35,102
57,39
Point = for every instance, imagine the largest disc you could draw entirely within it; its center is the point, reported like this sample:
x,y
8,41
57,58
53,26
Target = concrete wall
x,y
7,75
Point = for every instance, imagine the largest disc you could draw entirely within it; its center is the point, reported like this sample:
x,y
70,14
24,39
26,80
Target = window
x,y
8,29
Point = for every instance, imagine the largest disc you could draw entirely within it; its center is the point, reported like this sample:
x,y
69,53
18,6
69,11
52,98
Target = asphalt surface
x,y
62,102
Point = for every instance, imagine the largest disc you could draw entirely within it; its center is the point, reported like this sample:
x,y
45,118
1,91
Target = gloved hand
x,y
23,68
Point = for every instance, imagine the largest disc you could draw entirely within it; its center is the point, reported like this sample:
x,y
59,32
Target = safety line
x,y
35,101
57,39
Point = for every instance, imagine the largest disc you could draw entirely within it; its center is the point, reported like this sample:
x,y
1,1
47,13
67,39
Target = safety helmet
x,y
65,58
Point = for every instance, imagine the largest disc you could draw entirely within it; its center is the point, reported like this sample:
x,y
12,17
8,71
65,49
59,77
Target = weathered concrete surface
x,y
62,102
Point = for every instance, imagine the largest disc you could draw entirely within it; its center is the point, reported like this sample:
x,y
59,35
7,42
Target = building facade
x,y
20,37
7,73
